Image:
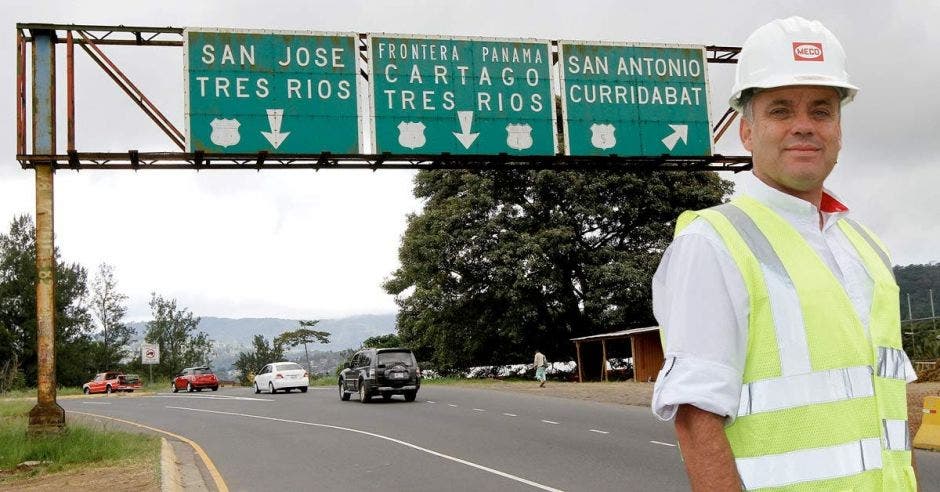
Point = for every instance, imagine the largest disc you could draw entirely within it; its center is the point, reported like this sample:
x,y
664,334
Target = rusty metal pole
x,y
47,416
20,93
70,88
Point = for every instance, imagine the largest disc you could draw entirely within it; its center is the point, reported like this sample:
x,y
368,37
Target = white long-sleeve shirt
x,y
700,299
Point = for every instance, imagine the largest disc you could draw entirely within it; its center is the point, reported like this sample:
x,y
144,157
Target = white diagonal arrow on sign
x,y
274,120
466,121
678,132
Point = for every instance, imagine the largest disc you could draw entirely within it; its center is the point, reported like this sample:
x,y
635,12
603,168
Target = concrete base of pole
x,y
46,419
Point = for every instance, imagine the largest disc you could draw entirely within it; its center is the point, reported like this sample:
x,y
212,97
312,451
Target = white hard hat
x,y
792,51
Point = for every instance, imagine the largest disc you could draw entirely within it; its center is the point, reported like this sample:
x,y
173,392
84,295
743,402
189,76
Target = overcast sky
x,y
301,244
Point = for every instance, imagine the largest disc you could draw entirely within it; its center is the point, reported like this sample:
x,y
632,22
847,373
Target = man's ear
x,y
744,131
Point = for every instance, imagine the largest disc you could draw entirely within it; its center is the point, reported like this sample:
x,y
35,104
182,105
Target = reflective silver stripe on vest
x,y
785,305
871,242
892,363
754,238
768,395
778,470
896,436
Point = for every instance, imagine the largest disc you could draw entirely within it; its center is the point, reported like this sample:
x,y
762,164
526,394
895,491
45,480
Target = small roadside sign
x,y
461,95
634,99
149,353
277,91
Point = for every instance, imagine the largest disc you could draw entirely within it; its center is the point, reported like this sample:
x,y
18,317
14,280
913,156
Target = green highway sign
x,y
634,99
274,91
461,95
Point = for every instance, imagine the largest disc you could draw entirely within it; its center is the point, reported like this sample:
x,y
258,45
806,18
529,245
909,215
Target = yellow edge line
x,y
213,471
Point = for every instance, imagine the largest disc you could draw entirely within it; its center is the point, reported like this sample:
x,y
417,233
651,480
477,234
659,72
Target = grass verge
x,y
323,381
77,447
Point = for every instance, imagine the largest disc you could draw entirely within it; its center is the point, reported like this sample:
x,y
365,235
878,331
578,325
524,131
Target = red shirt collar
x,y
830,205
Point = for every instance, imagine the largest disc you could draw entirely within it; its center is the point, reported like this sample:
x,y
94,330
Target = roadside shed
x,y
645,348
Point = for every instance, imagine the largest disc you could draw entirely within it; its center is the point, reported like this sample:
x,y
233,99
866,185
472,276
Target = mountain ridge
x,y
345,333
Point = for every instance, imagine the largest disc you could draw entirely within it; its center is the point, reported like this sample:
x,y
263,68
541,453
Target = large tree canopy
x,y
501,262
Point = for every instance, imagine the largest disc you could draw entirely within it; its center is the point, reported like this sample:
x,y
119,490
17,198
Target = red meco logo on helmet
x,y
807,52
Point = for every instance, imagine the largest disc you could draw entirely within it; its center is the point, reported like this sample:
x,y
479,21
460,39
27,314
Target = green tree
x,y
303,336
108,307
74,360
917,284
345,356
248,363
174,330
499,262
383,341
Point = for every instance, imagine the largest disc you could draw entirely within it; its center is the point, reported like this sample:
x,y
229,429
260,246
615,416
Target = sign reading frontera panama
x,y
274,91
634,100
460,95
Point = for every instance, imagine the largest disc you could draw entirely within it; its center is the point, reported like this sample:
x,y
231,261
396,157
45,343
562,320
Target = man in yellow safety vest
x,y
779,314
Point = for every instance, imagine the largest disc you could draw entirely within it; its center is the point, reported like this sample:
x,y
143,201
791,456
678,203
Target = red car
x,y
195,379
107,382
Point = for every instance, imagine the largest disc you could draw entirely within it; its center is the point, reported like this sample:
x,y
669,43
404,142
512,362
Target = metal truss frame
x,y
91,37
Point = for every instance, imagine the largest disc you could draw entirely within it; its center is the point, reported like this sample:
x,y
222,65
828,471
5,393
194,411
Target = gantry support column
x,y
47,416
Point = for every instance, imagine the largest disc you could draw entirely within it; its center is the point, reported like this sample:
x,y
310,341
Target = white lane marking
x,y
451,405
96,403
510,415
663,444
211,397
429,401
396,441
599,431
550,422
478,410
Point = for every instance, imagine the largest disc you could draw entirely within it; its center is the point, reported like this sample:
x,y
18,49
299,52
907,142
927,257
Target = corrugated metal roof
x,y
615,334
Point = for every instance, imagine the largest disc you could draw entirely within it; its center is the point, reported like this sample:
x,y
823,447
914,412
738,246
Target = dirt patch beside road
x,y
130,477
640,394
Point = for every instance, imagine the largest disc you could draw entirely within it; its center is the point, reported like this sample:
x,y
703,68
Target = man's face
x,y
794,136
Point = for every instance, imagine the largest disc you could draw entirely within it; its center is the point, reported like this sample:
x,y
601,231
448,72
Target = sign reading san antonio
x,y
461,95
274,91
635,99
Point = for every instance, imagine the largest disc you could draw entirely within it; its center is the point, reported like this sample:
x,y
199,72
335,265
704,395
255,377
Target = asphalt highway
x,y
454,439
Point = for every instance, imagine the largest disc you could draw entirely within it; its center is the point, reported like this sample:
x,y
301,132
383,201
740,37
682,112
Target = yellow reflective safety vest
x,y
823,405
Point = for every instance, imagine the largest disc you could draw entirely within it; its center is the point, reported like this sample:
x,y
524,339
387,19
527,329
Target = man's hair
x,y
747,103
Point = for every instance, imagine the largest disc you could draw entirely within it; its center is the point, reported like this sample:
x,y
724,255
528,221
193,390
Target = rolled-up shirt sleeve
x,y
701,304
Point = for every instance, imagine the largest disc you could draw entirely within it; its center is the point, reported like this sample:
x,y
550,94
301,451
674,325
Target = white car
x,y
281,376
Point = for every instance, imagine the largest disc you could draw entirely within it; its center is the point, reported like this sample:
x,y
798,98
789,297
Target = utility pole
x,y
933,315
47,417
910,321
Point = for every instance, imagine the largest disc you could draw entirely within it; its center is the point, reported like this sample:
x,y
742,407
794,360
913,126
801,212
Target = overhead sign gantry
x,y
295,99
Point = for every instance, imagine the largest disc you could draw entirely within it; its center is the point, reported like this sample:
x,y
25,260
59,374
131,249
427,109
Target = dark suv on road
x,y
385,371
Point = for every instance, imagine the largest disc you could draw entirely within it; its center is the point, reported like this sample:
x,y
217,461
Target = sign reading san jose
x,y
462,96
280,92
635,100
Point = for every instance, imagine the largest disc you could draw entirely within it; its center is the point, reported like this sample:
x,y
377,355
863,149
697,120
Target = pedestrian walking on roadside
x,y
541,364
780,314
